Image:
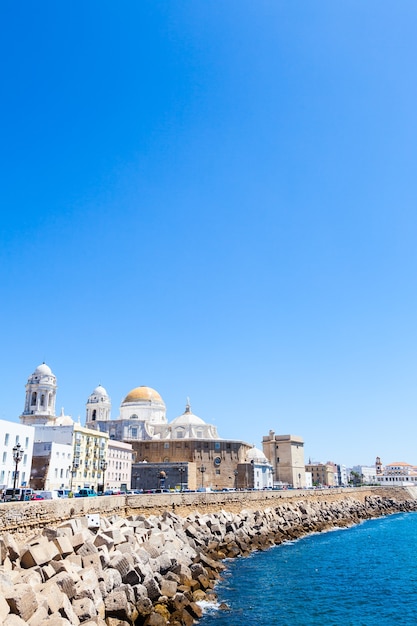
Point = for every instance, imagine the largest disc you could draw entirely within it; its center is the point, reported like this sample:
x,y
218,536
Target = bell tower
x,y
40,397
98,408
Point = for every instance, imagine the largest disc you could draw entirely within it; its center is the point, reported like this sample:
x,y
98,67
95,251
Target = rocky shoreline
x,y
152,570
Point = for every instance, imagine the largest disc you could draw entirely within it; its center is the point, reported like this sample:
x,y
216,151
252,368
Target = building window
x,y
6,439
166,445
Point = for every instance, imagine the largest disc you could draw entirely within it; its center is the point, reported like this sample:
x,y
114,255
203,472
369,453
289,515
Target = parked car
x,y
63,493
36,496
85,493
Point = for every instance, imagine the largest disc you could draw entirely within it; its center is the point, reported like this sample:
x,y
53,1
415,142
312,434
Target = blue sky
x,y
218,200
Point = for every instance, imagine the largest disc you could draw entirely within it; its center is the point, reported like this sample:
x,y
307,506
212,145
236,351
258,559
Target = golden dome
x,y
143,394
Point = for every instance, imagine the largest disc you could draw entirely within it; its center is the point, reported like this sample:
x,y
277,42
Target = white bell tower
x,y
40,397
98,408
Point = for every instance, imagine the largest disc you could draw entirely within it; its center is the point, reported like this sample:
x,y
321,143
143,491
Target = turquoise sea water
x,y
362,576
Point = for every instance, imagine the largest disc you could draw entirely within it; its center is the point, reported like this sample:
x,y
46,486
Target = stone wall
x,y
23,518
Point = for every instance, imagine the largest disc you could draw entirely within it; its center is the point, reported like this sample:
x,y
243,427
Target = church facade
x,y
213,461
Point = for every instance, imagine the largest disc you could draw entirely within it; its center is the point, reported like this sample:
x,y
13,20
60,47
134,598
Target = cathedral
x,y
210,460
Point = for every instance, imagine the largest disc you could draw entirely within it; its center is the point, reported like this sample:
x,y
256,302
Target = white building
x,y
366,473
11,435
397,474
342,475
118,474
262,469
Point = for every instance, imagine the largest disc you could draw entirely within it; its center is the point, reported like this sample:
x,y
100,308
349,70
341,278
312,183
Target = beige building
x,y
322,474
286,455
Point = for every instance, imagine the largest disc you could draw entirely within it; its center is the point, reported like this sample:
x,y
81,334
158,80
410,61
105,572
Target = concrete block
x,y
103,538
93,520
111,579
80,538
14,620
66,583
53,594
75,559
6,583
84,608
38,554
4,608
68,612
168,588
92,561
115,535
22,601
122,562
64,546
87,548
39,617
11,546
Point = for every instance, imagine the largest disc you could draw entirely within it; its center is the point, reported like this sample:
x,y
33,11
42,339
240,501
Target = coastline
x,y
152,570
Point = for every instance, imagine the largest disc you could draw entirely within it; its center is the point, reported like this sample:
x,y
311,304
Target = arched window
x,y
42,400
94,415
34,396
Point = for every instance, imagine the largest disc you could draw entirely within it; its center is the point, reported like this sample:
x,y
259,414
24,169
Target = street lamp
x,y
103,466
202,470
236,475
181,470
17,457
161,477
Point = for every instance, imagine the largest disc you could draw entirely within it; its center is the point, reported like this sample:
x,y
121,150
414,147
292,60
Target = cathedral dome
x,y
143,394
188,419
256,455
43,370
99,392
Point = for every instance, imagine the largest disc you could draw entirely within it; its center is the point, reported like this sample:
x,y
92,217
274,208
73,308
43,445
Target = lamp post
x,y
181,470
103,466
17,457
161,477
202,470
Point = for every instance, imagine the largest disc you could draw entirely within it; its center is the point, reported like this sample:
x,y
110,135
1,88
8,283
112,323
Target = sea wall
x,y
24,518
154,569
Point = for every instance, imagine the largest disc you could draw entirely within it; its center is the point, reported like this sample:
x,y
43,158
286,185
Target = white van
x,y
48,495
10,495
